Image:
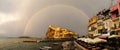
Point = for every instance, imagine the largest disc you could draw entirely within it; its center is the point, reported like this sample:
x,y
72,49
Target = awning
x,y
112,9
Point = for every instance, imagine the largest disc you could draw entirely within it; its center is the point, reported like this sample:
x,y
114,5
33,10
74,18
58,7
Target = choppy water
x,y
17,44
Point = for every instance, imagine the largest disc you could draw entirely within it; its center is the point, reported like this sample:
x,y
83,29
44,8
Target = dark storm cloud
x,y
8,6
62,16
70,19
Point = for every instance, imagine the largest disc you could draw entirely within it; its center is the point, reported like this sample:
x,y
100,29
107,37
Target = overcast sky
x,y
32,17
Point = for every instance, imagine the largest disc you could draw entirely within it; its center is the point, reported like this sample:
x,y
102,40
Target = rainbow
x,y
27,27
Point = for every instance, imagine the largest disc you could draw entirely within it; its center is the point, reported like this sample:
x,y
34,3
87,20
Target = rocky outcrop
x,y
58,32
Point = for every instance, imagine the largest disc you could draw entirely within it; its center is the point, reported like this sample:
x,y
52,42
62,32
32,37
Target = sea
x,y
18,44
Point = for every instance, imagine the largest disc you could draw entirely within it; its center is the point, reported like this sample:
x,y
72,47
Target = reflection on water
x,y
17,44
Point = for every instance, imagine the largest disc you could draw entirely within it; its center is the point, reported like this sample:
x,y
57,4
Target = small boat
x,y
55,44
46,48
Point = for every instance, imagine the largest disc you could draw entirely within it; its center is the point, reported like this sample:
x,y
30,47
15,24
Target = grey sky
x,y
32,17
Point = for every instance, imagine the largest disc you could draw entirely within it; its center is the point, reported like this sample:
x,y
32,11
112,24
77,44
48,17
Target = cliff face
x,y
58,32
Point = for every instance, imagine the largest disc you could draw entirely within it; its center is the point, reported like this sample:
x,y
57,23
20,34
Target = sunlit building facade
x,y
58,32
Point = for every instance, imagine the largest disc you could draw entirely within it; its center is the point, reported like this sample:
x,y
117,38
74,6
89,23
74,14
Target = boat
x,y
45,48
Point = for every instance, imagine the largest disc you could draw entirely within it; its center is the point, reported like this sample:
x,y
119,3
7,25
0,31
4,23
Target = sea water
x,y
18,44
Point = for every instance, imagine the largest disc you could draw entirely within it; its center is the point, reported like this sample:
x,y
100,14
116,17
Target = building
x,y
58,32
